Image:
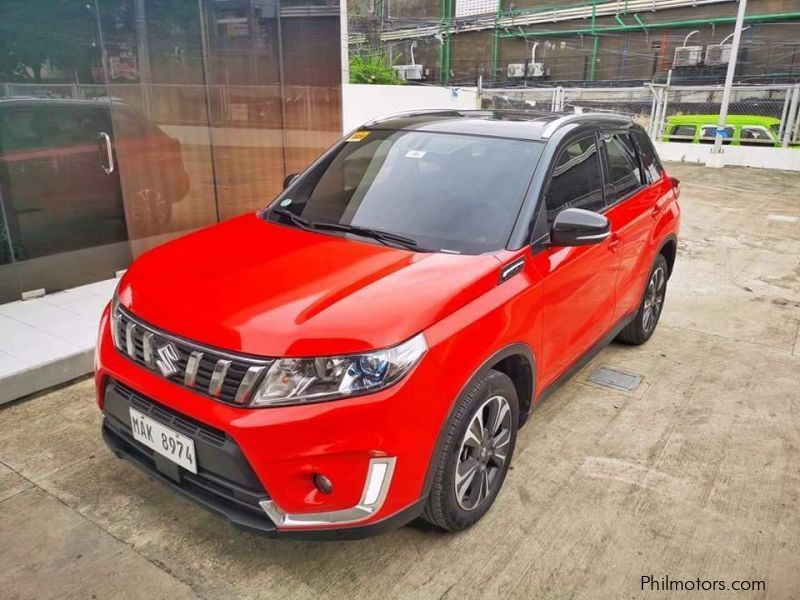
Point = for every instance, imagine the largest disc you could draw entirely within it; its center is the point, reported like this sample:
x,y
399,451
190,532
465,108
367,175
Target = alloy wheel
x,y
654,299
483,453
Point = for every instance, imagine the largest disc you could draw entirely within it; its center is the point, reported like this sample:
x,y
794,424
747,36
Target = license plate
x,y
167,442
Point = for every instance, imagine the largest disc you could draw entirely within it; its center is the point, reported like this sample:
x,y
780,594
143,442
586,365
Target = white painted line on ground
x,y
783,218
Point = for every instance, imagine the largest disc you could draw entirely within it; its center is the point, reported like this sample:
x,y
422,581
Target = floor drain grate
x,y
614,379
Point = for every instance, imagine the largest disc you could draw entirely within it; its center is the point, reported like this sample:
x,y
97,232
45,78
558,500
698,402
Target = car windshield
x,y
439,191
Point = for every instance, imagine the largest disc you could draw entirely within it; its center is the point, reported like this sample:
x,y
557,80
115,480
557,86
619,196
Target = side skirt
x,y
584,359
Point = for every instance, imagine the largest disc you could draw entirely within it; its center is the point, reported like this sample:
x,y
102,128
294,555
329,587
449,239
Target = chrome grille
x,y
221,375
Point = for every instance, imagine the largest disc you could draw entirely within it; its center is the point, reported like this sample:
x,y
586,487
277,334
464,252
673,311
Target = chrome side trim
x,y
249,380
130,345
218,377
376,488
190,376
147,349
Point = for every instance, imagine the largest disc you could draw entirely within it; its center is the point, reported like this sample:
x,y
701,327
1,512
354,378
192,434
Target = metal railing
x,y
658,107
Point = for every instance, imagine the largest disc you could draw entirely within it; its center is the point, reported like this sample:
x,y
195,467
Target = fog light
x,y
322,483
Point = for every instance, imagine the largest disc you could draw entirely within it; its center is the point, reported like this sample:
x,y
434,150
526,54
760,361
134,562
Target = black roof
x,y
528,125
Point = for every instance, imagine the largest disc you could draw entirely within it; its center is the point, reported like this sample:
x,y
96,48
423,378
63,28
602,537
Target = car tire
x,y
479,461
646,319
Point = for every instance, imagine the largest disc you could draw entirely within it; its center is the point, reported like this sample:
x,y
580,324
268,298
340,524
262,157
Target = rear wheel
x,y
473,463
644,323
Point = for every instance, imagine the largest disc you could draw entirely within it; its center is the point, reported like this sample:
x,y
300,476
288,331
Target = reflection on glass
x,y
150,119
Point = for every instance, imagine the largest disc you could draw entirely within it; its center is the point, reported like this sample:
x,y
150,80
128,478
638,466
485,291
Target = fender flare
x,y
667,239
486,366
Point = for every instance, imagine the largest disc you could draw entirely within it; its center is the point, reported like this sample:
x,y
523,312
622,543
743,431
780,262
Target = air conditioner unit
x,y
535,69
718,54
409,72
688,56
516,70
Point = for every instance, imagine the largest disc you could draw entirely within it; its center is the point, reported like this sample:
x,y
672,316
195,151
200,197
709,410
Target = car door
x,y
631,204
577,282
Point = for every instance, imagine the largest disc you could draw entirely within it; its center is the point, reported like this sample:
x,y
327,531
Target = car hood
x,y
263,288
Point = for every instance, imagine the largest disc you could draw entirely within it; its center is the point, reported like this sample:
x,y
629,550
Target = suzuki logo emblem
x,y
167,359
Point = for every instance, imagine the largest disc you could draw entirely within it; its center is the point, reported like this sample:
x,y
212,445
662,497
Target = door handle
x,y
105,140
614,242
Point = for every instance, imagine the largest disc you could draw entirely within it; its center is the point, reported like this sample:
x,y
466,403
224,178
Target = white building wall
x,y
361,103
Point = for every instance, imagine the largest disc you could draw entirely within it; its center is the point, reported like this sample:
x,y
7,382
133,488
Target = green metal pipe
x,y
593,64
662,25
447,41
496,42
441,46
638,19
619,19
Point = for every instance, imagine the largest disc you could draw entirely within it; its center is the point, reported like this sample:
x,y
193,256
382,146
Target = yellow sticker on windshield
x,y
357,136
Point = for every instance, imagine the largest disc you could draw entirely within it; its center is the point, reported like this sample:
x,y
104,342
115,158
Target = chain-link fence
x,y
757,115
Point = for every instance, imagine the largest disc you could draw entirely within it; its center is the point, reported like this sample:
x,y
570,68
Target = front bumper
x,y
376,449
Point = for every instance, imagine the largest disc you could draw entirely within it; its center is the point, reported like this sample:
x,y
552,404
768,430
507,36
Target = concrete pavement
x,y
695,474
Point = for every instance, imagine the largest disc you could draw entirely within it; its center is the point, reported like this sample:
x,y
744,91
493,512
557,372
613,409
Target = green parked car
x,y
741,130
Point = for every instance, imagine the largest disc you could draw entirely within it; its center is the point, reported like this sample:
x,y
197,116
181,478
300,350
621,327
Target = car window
x,y
624,173
682,133
709,132
576,181
652,165
452,192
755,135
130,125
20,130
71,127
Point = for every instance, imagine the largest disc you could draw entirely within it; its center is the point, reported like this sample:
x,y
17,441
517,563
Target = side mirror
x,y
579,227
289,179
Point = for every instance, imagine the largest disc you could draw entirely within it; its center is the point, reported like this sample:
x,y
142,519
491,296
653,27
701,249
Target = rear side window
x,y
709,132
576,181
755,135
652,166
682,133
624,174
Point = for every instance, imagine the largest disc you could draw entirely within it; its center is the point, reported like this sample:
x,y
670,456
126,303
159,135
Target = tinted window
x,y
576,181
682,133
755,136
20,130
625,176
708,132
652,166
450,192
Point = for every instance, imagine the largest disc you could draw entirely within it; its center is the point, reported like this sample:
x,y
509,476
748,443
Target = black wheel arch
x,y
669,248
515,360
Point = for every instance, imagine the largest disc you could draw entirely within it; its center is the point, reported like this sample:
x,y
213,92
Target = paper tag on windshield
x,y
357,136
415,154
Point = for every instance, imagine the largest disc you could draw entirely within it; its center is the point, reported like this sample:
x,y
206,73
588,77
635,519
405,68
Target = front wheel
x,y
644,322
473,463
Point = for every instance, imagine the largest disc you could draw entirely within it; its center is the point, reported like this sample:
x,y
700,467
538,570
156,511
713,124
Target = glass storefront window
x,y
153,118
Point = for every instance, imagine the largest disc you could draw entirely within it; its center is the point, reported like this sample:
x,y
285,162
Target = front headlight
x,y
303,380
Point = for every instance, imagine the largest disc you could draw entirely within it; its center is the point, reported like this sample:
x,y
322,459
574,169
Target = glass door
x,y
160,117
61,218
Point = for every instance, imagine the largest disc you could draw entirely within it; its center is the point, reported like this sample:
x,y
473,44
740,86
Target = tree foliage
x,y
372,67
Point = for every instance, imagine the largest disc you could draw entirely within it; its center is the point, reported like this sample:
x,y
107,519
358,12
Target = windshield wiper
x,y
390,239
295,219
385,237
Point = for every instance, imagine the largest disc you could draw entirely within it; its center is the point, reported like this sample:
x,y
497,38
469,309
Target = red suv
x,y
363,351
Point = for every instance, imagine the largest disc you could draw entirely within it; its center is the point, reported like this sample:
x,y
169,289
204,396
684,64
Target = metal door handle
x,y
104,137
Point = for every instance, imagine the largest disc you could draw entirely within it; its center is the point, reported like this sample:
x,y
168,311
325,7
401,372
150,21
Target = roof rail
x,y
554,126
423,111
